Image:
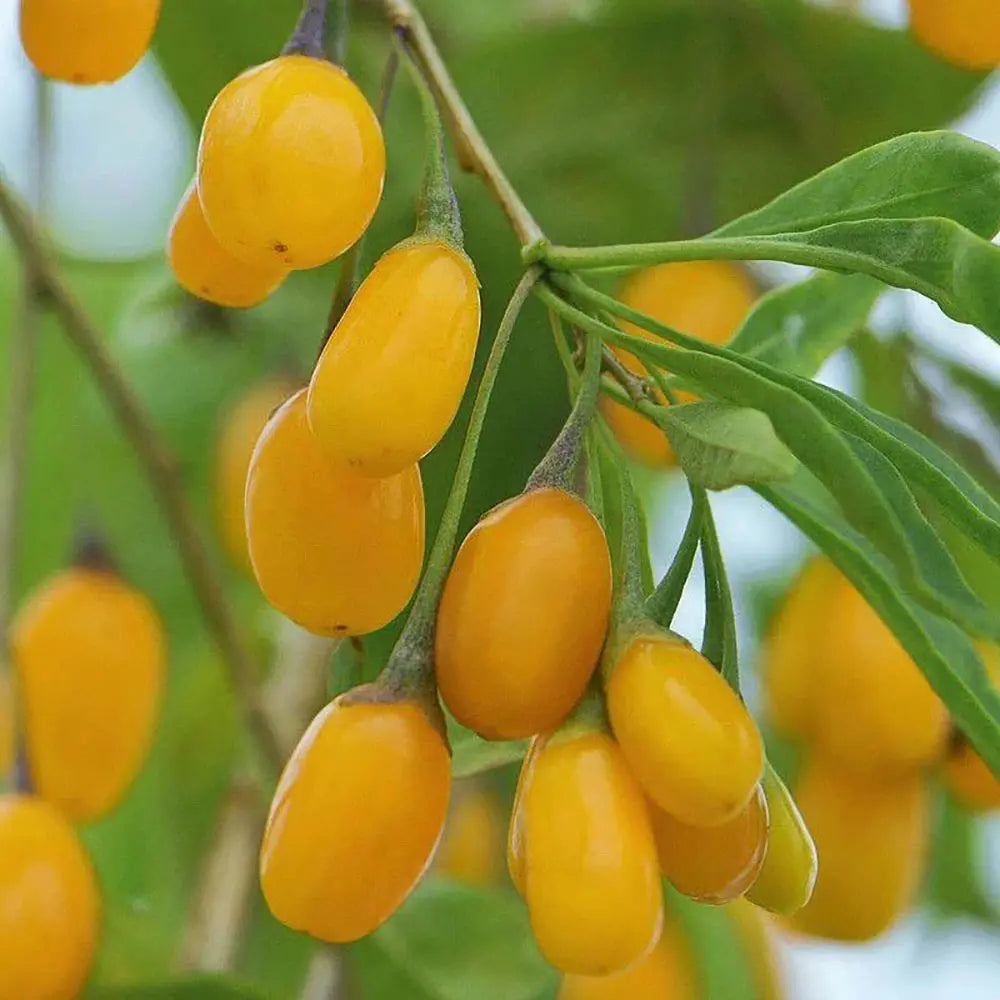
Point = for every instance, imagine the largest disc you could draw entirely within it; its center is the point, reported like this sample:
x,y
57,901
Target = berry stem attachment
x,y
561,463
473,152
310,32
409,669
438,217
157,464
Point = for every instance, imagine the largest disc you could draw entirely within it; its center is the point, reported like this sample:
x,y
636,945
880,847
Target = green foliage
x,y
194,988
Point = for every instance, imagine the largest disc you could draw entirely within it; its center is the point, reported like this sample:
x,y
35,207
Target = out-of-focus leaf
x,y
194,988
720,446
471,754
797,327
453,942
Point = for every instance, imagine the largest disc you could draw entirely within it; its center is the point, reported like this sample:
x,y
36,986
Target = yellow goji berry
x,y
713,864
205,268
592,883
8,736
291,163
871,838
787,878
471,850
356,817
94,42
796,639
90,656
876,712
706,299
338,553
51,910
963,32
392,375
687,736
523,615
240,430
666,973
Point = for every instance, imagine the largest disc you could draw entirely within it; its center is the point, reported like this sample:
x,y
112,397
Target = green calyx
x,y
561,466
321,32
589,715
438,215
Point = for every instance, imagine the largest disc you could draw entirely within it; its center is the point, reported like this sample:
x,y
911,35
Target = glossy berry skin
x,y
291,163
93,42
713,864
206,269
788,875
871,838
591,878
392,375
50,907
706,299
354,822
963,32
90,656
338,553
794,646
874,710
687,736
471,850
666,973
238,434
523,615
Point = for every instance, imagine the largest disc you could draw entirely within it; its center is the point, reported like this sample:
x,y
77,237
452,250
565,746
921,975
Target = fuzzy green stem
x,y
561,463
438,217
410,665
661,606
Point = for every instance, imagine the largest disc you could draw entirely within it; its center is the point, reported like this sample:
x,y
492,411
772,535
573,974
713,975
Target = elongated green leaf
x,y
719,642
453,942
661,605
921,174
944,588
942,651
720,446
983,389
471,754
192,988
797,327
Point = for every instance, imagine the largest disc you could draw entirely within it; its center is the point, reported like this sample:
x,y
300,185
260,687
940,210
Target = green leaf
x,y
471,754
191,988
661,605
922,174
720,446
719,642
453,942
797,327
943,589
945,655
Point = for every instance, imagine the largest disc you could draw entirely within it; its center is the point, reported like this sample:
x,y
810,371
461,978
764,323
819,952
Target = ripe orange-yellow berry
x,y
472,847
788,875
523,615
205,268
666,973
291,163
357,814
871,837
50,908
795,643
713,864
874,710
687,736
93,42
240,430
964,32
392,375
706,299
90,656
8,736
592,883
338,553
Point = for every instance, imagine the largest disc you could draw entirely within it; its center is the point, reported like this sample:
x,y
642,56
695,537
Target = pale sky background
x,y
122,154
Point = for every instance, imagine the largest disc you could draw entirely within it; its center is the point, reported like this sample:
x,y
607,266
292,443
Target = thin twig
x,y
473,152
159,466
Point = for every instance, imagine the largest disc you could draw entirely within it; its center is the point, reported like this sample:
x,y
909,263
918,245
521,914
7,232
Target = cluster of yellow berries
x,y
89,656
871,730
